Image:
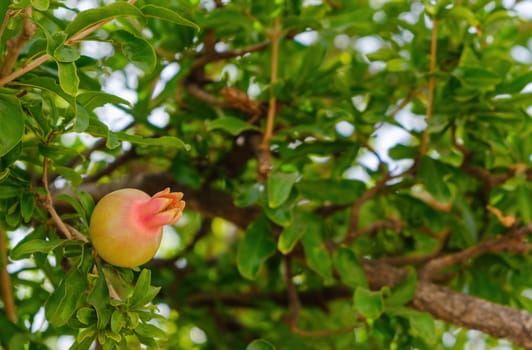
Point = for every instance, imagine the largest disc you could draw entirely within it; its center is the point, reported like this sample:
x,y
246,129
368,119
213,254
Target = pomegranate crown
x,y
165,207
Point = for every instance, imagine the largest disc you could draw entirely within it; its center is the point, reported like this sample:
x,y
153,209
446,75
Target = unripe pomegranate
x,y
126,225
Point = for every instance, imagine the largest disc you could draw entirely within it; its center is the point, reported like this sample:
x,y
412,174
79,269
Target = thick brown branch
x,y
457,308
474,313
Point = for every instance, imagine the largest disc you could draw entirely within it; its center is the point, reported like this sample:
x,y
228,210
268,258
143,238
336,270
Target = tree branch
x,y
6,289
264,156
432,83
16,45
514,242
457,308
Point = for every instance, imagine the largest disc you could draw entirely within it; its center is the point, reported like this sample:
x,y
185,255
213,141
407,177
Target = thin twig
x,y
25,69
293,298
264,148
513,241
432,83
6,289
353,231
119,161
295,307
48,202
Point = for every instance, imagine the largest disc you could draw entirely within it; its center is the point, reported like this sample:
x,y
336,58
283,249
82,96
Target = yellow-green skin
x,y
126,225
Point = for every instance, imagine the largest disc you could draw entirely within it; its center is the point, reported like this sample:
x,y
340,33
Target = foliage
x,y
316,142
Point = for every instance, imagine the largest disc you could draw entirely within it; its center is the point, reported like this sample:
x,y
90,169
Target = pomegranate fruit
x,y
126,225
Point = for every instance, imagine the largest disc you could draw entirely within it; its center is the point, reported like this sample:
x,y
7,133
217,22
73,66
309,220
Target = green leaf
x,y
69,174
260,344
316,252
461,13
150,331
118,321
403,292
165,141
516,84
86,315
524,196
422,325
350,269
400,151
40,5
85,338
143,292
279,186
256,246
9,329
99,298
63,302
68,77
166,14
282,215
94,16
81,123
477,78
434,174
27,205
48,84
232,125
8,191
398,65
12,123
302,223
93,99
335,191
137,50
66,54
26,248
87,202
56,151
369,304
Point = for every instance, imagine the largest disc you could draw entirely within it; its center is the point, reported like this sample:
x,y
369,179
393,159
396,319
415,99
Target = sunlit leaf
x,y
232,125
137,50
97,15
166,14
301,224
